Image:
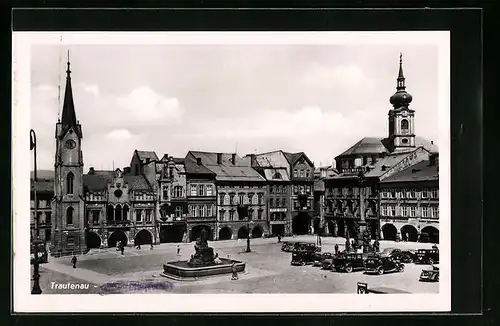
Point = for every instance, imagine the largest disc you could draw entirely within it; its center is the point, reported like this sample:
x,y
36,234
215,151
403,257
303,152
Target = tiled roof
x,y
143,155
272,159
99,180
178,160
390,160
293,157
227,171
43,186
137,182
377,145
193,168
421,171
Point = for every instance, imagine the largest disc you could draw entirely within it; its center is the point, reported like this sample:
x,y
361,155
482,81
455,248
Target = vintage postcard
x,y
231,172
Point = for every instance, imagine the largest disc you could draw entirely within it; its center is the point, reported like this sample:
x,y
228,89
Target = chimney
x,y
219,158
126,170
165,156
198,160
233,158
91,170
432,142
147,160
384,167
433,159
253,160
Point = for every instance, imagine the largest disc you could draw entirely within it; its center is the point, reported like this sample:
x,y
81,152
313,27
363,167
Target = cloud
x,y
93,89
120,134
344,76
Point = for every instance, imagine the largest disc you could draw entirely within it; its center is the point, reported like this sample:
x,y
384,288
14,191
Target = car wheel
x,y
380,271
348,269
401,268
303,263
410,260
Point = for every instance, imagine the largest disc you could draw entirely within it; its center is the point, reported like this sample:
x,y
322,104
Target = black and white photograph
x,y
231,172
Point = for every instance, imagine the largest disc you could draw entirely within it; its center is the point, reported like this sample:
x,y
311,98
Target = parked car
x,y
382,264
427,256
328,264
348,262
430,275
408,256
391,252
303,253
287,246
319,257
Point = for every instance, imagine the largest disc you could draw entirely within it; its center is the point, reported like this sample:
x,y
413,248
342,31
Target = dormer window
x,y
277,175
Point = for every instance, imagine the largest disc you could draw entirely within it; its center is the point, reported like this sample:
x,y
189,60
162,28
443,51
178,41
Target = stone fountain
x,y
202,263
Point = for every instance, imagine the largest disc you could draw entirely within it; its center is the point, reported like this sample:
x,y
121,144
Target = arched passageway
x,y
116,236
243,232
389,232
143,237
93,240
197,231
431,233
225,233
409,233
300,224
257,232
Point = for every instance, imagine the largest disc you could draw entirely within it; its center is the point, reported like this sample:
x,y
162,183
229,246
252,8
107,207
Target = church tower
x,y
68,228
401,117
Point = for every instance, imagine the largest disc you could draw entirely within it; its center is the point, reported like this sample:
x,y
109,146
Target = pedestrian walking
x,y
138,247
73,261
122,248
151,246
336,249
235,272
178,250
320,241
279,238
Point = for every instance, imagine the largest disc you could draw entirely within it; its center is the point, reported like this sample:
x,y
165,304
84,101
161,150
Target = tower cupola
x,y
401,98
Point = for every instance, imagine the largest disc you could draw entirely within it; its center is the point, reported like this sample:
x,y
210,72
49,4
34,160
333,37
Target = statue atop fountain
x,y
204,255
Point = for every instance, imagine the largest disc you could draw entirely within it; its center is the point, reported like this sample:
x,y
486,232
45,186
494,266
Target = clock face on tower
x,y
70,144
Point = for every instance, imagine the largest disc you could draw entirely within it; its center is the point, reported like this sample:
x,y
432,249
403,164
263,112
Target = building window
x,y
271,202
209,190
241,198
231,199
295,173
197,211
308,189
250,197
392,194
138,215
424,193
231,215
295,204
48,216
201,190
425,212
271,190
301,188
178,211
203,211
308,173
383,210
434,194
177,191
301,173
404,126
165,192
295,189
413,211
435,212
193,190
259,202
148,215
404,211
70,241
277,202
277,175
69,183
221,198
69,216
283,202
259,214
402,193
209,210
221,215
95,217
392,211
412,194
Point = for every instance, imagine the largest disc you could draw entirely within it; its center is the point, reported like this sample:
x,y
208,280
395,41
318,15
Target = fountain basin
x,y
182,270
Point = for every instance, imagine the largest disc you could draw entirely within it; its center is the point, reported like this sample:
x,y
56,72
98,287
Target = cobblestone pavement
x,y
268,270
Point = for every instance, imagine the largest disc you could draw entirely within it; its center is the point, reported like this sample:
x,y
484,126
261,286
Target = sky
x,y
319,99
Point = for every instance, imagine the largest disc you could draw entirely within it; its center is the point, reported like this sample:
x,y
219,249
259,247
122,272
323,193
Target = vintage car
x,y
348,262
427,256
303,253
391,252
328,264
430,275
408,256
319,257
377,264
287,246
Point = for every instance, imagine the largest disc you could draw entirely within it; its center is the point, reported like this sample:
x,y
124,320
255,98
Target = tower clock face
x,y
70,144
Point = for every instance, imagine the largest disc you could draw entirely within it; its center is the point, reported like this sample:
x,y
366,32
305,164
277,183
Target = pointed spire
x,y
68,113
401,77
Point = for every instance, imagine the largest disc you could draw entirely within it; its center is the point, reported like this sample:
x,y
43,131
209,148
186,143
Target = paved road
x,y
268,269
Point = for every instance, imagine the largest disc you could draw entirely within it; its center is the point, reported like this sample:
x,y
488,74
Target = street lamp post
x,y
362,222
36,242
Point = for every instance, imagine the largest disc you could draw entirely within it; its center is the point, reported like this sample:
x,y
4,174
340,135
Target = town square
x,y
278,213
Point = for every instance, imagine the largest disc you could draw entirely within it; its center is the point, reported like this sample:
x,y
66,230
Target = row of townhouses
x,y
388,186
